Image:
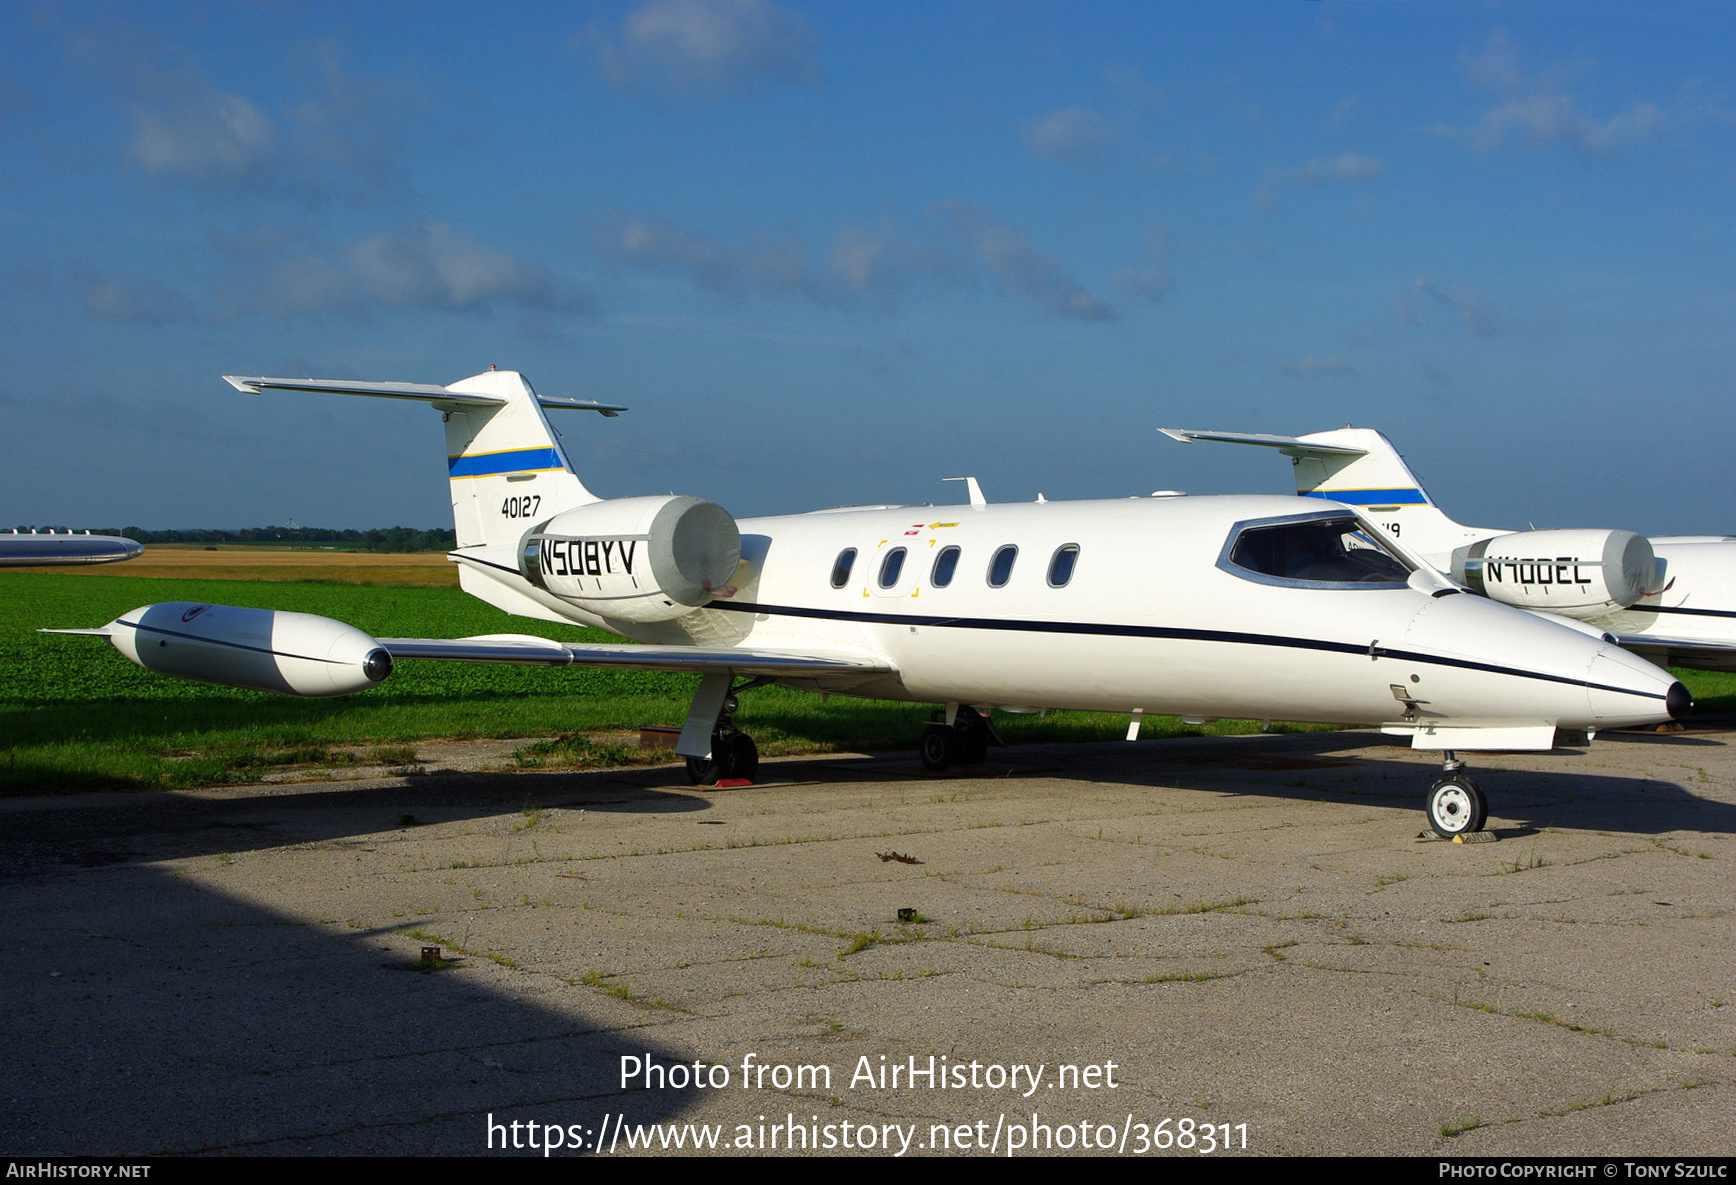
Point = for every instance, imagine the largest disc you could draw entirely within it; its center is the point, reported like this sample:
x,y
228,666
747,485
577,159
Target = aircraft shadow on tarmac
x,y
148,1015
151,1014
1339,767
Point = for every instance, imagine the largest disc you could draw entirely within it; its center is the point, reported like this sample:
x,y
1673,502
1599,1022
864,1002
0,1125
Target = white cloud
x,y
874,265
1016,264
1542,111
1073,136
1348,168
704,49
432,267
331,134
772,266
202,134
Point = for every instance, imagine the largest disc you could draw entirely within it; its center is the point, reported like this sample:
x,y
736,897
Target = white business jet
x,y
44,549
1670,599
1200,607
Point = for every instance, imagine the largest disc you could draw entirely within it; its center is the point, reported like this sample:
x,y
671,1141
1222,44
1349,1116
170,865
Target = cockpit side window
x,y
1313,552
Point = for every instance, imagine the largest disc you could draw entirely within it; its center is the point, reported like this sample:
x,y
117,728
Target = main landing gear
x,y
1456,803
734,756
715,750
964,742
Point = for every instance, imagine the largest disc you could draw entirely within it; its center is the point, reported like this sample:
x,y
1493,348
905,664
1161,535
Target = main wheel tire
x,y
740,757
702,771
1456,806
974,747
939,748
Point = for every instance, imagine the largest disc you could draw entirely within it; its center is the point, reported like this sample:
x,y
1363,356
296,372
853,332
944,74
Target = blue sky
x,y
833,253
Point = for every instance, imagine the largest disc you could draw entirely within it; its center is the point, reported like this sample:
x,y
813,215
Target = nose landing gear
x,y
1456,803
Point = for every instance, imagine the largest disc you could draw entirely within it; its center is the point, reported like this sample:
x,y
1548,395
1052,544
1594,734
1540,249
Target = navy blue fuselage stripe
x,y
470,559
488,464
157,629
1168,632
1410,497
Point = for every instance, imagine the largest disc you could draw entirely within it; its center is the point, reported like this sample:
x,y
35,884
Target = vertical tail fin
x,y
505,464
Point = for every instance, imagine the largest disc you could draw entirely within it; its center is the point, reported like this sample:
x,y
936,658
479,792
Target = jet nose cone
x,y
1678,702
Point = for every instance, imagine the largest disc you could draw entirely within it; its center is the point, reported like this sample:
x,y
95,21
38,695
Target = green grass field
x,y
75,715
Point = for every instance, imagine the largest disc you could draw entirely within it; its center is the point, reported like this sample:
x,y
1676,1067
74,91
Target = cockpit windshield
x,y
1316,551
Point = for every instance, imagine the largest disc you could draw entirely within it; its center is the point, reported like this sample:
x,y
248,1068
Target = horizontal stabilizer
x,y
519,648
425,392
1293,446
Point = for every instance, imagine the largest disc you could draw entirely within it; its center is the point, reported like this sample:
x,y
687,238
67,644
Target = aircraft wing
x,y
522,648
1710,656
18,550
1293,446
425,392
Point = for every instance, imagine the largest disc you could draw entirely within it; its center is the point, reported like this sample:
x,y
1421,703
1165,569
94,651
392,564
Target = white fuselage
x,y
1152,618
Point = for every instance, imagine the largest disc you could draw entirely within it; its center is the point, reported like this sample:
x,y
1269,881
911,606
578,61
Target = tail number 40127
x,y
524,507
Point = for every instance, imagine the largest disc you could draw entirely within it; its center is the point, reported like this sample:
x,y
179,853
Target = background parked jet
x,y
1669,598
33,549
1201,607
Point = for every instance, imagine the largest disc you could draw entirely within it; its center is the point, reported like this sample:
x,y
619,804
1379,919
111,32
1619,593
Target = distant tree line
x,y
377,539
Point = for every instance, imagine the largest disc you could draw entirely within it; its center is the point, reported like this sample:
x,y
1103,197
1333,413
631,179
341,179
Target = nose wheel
x,y
1456,803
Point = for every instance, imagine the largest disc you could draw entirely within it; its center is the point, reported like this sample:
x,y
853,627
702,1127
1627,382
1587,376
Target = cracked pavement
x,y
1248,927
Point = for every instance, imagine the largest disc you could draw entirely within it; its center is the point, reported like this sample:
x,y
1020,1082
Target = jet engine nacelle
x,y
1574,573
261,649
634,559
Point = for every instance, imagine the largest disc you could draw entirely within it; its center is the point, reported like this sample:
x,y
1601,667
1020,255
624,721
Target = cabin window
x,y
1326,551
1001,567
1061,565
945,564
841,569
891,567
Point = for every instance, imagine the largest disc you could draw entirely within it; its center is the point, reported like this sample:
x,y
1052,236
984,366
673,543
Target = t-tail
x,y
1360,467
504,461
505,464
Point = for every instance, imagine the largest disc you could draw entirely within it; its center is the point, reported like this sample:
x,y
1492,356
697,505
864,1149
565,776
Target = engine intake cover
x,y
635,559
1575,573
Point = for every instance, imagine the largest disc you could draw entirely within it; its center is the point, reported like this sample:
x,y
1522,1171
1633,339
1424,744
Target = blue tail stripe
x,y
1372,497
515,461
